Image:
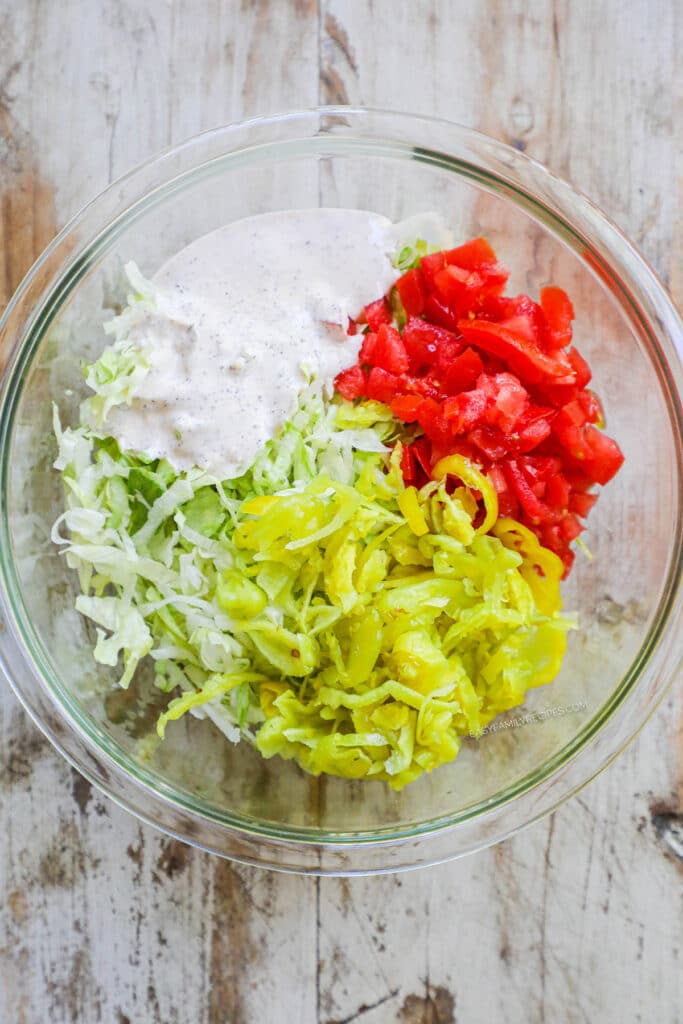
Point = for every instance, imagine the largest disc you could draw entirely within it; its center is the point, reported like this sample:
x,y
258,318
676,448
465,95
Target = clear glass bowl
x,y
197,785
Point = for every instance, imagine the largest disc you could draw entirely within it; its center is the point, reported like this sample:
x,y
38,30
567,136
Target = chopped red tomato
x,y
431,418
471,255
465,410
524,358
581,504
381,385
478,255
592,406
377,313
582,370
458,289
508,400
559,313
537,511
430,266
390,352
491,442
367,348
425,343
350,383
412,291
408,465
406,407
463,372
437,312
557,491
507,500
533,427
422,450
605,458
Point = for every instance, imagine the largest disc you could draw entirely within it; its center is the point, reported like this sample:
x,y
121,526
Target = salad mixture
x,y
328,481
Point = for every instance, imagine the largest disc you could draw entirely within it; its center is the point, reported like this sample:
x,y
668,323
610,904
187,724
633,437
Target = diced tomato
x,y
537,511
581,504
389,352
424,342
559,314
592,407
540,467
557,395
578,481
599,455
478,255
550,537
422,450
437,312
350,383
463,372
408,465
549,534
430,267
405,407
494,276
570,528
431,418
412,291
495,307
557,491
352,329
605,457
458,288
508,505
582,370
523,326
472,254
509,400
572,412
425,386
532,435
491,442
526,360
381,385
571,436
377,313
367,349
466,410
497,478
533,427
520,314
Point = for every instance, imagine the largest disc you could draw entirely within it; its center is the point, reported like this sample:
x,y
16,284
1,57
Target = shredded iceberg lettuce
x,y
314,605
410,255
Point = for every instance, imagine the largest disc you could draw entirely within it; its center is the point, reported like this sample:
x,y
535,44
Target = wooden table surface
x,y
580,918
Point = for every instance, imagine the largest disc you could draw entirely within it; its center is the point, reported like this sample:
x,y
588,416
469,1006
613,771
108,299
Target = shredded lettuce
x,y
410,255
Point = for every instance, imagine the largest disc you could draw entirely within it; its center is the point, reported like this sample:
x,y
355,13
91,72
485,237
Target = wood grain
x,y
581,917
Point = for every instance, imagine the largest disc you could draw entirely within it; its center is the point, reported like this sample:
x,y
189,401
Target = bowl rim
x,y
21,632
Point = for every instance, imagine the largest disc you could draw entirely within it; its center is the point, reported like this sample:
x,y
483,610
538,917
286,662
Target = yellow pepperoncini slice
x,y
463,469
413,514
260,504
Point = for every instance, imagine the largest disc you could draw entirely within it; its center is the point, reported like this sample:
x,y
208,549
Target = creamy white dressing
x,y
242,315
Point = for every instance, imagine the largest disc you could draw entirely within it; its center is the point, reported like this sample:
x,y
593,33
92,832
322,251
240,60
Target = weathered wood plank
x,y
581,918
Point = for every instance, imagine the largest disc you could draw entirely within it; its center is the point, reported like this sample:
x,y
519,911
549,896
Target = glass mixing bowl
x,y
225,798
